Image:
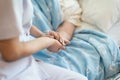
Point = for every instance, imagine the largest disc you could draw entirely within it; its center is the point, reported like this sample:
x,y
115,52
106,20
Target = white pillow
x,y
100,13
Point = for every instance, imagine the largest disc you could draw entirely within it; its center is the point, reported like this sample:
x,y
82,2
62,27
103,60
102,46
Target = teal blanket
x,y
90,53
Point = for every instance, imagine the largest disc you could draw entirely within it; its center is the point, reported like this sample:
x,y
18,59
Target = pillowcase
x,y
100,13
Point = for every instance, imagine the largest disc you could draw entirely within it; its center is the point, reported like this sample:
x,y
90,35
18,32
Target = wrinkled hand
x,y
56,46
59,37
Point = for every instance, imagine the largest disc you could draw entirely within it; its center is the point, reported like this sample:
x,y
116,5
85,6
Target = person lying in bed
x,y
84,23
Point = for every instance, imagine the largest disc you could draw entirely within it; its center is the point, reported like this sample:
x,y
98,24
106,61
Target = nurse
x,y
16,62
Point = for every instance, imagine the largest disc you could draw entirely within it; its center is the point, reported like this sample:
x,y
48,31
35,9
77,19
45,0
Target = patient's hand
x,y
57,36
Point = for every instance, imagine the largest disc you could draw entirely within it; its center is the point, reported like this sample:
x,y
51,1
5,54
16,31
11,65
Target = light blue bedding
x,y
90,53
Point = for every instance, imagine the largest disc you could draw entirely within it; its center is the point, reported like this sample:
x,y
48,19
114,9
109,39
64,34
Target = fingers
x,y
55,35
55,48
64,41
47,35
58,37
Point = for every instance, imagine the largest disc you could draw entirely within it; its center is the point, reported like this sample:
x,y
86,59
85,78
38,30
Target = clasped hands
x,y
62,41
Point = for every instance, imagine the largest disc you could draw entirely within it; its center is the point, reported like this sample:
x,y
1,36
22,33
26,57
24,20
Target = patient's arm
x,y
63,35
66,30
71,15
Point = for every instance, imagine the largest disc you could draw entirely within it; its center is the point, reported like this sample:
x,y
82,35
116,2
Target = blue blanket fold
x,y
90,53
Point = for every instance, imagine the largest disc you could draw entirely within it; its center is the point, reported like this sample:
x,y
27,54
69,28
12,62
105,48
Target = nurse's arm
x,y
35,32
12,49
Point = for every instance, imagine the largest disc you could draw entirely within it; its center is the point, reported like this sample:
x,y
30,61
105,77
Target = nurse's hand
x,y
56,46
59,37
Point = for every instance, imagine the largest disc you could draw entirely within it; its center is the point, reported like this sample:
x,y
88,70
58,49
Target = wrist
x,y
65,35
49,41
66,29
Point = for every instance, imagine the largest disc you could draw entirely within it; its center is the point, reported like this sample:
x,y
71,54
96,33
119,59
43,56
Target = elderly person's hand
x,y
58,37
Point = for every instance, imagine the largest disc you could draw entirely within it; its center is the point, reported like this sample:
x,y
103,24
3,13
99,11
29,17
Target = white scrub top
x,y
15,20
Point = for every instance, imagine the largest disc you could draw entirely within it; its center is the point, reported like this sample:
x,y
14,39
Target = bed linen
x,y
114,32
91,53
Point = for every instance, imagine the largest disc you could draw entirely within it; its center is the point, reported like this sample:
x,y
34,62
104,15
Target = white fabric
x,y
99,13
95,14
10,70
12,25
71,11
44,71
114,31
10,17
60,73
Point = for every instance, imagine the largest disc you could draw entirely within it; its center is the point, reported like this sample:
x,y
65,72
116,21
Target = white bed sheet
x,y
114,32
